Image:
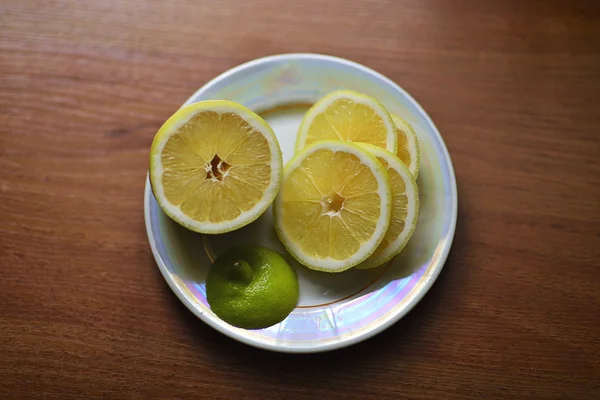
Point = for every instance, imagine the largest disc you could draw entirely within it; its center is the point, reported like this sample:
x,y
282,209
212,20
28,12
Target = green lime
x,y
252,287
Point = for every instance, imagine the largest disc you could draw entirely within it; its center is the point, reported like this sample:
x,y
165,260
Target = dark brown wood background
x,y
514,87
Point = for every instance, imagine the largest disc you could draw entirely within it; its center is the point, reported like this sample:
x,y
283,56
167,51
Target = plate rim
x,y
430,280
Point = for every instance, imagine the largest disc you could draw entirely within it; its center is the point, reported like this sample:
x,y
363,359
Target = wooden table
x,y
513,86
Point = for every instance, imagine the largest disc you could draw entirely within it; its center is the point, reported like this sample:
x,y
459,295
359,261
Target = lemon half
x,y
334,205
215,166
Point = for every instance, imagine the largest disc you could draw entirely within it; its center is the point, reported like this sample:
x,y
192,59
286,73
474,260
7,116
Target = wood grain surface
x,y
513,86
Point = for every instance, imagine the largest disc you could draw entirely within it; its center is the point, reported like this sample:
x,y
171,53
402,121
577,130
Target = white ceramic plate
x,y
335,310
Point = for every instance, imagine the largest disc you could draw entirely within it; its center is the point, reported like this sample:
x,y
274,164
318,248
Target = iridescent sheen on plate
x,y
299,79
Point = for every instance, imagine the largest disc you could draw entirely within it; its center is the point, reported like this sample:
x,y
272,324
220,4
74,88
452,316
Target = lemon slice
x,y
215,166
334,205
348,116
408,145
405,208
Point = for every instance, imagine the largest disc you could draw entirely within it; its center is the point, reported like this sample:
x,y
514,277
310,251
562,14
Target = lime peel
x,y
252,287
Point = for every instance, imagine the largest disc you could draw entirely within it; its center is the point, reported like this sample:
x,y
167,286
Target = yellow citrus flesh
x,y
334,206
405,209
215,166
348,116
408,145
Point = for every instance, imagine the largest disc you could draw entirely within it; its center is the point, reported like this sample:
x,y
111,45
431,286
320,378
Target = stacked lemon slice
x,y
349,196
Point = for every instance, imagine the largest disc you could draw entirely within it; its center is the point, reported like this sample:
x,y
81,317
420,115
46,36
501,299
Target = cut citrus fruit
x,y
405,208
334,205
215,166
408,145
348,116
